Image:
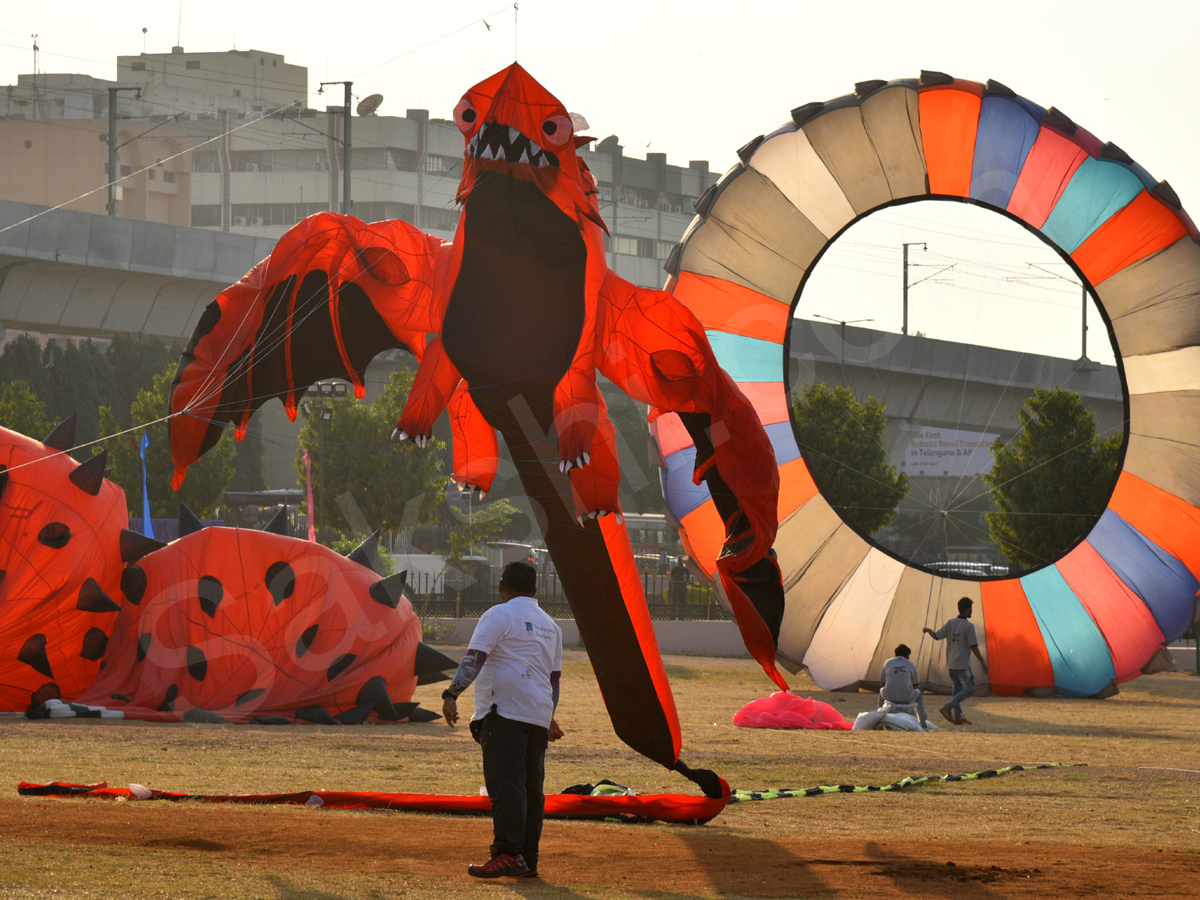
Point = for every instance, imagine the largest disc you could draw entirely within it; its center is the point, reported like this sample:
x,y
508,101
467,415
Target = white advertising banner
x,y
946,451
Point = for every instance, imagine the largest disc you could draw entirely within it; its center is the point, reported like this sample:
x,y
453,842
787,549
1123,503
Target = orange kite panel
x,y
1163,518
1016,653
1143,227
724,306
949,121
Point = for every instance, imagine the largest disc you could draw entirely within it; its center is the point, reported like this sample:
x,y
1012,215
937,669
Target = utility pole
x,y
112,146
923,246
1047,273
346,144
843,323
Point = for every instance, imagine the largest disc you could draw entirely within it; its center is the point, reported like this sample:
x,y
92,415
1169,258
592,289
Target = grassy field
x,y
1134,793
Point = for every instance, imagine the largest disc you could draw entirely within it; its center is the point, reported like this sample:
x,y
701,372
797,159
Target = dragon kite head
x,y
514,126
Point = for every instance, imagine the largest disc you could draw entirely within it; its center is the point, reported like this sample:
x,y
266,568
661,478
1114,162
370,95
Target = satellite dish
x,y
368,105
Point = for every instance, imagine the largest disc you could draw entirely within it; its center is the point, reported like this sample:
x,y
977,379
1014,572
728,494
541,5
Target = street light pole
x,y
345,144
843,323
111,208
923,246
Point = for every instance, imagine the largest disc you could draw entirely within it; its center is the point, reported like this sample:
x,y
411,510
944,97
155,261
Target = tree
x,y
206,480
486,522
842,442
352,452
22,411
1052,483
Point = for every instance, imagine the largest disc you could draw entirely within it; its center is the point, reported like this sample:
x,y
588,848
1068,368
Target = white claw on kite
x,y
592,514
461,485
397,434
562,467
579,462
620,519
587,458
482,493
579,519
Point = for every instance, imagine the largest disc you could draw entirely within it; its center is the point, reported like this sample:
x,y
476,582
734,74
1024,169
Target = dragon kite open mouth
x,y
503,143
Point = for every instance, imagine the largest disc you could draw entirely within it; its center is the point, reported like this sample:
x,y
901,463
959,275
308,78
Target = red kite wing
x,y
334,292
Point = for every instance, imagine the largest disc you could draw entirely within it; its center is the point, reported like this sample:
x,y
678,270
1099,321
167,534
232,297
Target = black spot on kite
x,y
197,663
3,572
133,584
33,654
120,697
270,720
203,716
318,715
357,715
143,646
93,599
281,581
94,644
210,591
168,704
247,696
306,639
3,477
48,691
55,535
340,665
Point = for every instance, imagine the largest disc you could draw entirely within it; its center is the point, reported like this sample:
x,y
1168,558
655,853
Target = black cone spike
x,y
279,524
390,589
367,553
189,522
134,546
89,476
428,661
62,437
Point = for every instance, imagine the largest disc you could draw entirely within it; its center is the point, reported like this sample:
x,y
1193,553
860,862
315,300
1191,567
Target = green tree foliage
x,y
206,479
1052,483
485,522
842,442
352,452
22,411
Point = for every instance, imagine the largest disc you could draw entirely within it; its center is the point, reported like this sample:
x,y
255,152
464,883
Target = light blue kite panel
x,y
1162,581
681,495
1098,190
747,358
1078,652
1006,133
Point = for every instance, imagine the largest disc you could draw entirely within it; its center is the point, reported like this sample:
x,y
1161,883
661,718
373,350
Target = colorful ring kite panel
x,y
1102,613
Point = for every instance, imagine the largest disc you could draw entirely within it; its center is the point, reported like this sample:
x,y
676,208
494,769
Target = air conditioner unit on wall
x,y
256,220
251,167
239,220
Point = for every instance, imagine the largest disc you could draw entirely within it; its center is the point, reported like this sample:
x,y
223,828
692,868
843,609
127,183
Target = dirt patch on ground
x,y
581,858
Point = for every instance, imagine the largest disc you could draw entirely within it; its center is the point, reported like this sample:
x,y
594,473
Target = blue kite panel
x,y
783,440
1097,191
1078,652
1006,133
747,358
1162,581
681,495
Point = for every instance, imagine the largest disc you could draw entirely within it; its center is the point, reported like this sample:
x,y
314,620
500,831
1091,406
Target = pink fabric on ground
x,y
785,710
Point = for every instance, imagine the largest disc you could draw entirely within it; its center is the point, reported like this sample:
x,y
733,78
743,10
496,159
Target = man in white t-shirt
x,y
900,680
960,634
515,662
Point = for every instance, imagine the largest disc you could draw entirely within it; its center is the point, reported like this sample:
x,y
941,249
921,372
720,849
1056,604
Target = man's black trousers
x,y
514,767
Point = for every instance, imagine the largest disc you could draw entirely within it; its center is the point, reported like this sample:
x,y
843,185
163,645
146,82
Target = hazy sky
x,y
695,80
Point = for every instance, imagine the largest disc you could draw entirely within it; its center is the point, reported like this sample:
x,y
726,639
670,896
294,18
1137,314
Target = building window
x,y
138,65
237,92
206,216
169,177
150,174
625,245
125,171
193,63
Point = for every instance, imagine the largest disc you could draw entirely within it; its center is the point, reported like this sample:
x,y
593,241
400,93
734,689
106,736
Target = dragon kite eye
x,y
465,116
557,130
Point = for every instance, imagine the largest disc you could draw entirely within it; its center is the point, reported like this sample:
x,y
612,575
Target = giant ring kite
x,y
1101,614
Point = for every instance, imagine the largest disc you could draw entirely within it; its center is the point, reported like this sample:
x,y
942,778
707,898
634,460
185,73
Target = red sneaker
x,y
963,721
948,716
500,866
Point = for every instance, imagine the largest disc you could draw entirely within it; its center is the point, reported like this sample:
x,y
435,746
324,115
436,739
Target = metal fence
x,y
466,594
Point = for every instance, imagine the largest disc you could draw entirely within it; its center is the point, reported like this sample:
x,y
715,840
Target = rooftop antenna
x,y
516,7
179,32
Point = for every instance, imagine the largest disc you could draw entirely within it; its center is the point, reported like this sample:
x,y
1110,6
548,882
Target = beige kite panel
x,y
1175,370
849,632
811,593
804,533
1169,416
1169,465
904,622
793,166
755,237
1171,274
892,119
841,141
